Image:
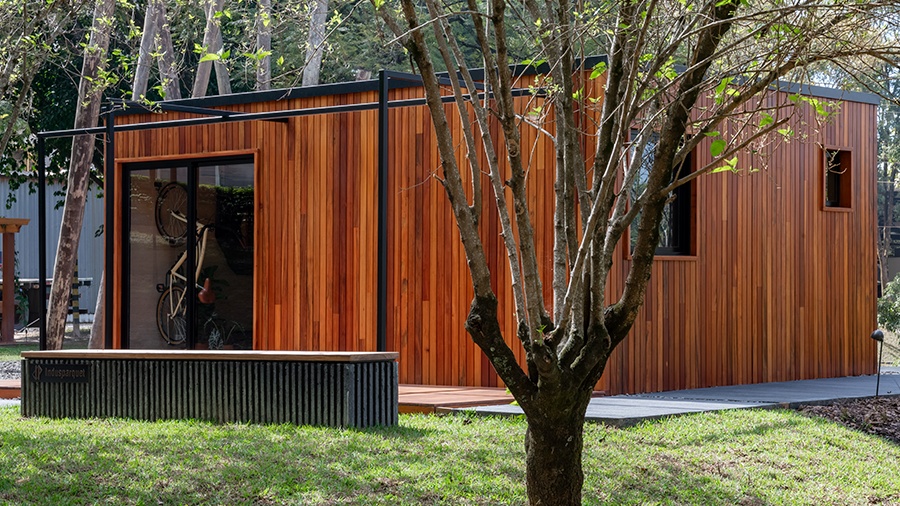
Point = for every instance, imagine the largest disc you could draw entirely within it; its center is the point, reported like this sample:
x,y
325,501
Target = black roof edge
x,y
477,74
825,92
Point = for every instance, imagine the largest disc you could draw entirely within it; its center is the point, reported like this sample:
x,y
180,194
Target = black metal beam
x,y
383,88
42,242
109,200
168,106
403,76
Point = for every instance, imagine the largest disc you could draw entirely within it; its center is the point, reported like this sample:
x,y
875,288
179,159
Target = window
x,y
675,227
837,172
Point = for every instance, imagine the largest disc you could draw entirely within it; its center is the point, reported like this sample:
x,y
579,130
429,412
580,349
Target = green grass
x,y
735,457
12,352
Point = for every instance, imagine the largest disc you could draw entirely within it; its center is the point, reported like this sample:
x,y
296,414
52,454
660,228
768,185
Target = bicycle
x,y
172,223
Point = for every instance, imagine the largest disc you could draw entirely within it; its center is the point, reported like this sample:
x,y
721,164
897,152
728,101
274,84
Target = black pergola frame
x,y
215,116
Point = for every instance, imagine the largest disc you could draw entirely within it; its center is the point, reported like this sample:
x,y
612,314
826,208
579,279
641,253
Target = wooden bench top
x,y
277,356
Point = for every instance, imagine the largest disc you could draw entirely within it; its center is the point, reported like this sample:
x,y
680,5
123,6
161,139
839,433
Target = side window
x,y
675,228
837,171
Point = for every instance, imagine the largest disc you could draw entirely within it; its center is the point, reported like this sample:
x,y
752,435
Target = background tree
x,y
729,52
90,93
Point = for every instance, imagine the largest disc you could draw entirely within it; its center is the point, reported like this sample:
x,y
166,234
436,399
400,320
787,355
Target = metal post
x,y
109,197
190,269
878,381
383,88
42,243
878,336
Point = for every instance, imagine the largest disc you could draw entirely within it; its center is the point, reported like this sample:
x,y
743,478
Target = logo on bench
x,y
60,373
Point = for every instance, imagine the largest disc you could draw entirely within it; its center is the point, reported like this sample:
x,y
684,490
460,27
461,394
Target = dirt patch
x,y
880,416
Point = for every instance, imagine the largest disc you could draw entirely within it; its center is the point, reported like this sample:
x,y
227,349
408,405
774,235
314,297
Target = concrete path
x,y
628,410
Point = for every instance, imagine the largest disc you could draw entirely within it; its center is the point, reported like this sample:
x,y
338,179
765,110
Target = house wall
x,y
90,246
779,289
315,217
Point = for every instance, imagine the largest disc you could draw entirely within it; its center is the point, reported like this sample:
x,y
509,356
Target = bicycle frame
x,y
173,273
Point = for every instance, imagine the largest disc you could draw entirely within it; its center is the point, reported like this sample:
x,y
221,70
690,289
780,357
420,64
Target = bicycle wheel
x,y
172,200
170,319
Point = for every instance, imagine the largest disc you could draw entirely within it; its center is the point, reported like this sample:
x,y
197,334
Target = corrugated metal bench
x,y
338,389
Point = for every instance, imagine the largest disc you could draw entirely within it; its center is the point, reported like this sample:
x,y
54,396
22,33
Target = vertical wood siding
x,y
779,289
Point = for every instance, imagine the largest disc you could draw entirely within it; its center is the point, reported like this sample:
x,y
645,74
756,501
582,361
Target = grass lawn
x,y
12,352
735,457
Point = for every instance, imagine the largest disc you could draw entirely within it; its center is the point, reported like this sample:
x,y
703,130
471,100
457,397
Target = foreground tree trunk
x,y
643,90
553,450
90,93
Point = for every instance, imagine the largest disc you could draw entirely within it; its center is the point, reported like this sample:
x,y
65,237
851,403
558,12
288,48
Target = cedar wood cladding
x,y
779,289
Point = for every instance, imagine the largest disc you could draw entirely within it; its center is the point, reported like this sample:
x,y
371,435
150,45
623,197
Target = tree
x,y
90,92
264,45
212,53
31,32
315,46
888,176
727,52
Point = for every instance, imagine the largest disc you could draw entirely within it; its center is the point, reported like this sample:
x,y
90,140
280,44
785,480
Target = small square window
x,y
837,167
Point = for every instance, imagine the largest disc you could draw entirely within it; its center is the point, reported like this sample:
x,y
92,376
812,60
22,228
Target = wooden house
x,y
331,235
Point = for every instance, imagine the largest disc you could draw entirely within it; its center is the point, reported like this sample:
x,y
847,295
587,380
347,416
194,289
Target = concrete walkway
x,y
628,410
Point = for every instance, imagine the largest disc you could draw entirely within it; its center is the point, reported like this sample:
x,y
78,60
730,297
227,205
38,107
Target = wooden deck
x,y
10,389
437,399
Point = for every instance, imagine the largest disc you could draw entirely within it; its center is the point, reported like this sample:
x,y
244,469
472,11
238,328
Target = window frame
x,y
689,189
844,201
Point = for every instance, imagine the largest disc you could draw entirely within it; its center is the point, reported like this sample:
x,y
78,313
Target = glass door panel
x,y
157,236
225,206
159,313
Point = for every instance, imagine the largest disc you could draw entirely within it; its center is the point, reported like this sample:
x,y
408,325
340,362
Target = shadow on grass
x,y
673,483
85,461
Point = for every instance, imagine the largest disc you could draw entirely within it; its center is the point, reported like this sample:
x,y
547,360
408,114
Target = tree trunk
x,y
553,454
142,71
168,74
884,249
316,43
97,341
212,41
263,44
223,80
90,93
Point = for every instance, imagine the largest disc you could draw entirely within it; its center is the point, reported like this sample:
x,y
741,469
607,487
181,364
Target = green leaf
x,y
717,147
723,168
787,132
599,70
378,3
209,57
280,60
766,120
722,85
712,134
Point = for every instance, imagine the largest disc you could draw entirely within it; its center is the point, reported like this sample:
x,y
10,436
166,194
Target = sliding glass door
x,y
188,260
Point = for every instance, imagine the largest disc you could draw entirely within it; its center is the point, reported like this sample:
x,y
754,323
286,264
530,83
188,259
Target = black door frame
x,y
193,166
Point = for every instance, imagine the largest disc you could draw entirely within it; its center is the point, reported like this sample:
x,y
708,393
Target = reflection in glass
x,y
223,240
